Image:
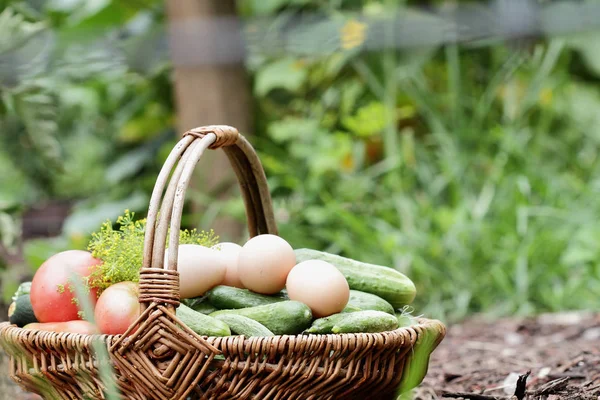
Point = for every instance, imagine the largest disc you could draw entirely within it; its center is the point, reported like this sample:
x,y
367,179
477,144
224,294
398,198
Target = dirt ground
x,y
482,360
562,351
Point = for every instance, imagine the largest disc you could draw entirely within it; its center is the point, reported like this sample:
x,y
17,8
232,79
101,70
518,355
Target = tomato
x,y
53,296
77,326
117,308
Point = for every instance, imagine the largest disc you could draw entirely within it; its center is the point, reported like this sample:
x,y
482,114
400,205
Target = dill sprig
x,y
121,250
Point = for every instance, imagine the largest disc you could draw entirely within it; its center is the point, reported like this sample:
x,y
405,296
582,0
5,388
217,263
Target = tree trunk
x,y
211,88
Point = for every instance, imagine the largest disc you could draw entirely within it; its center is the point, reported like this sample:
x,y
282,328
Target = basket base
x,y
348,366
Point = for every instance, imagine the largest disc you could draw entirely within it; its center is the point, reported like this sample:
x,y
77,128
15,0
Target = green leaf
x,y
10,230
15,30
589,47
128,165
36,251
285,74
37,110
291,129
97,22
86,218
369,120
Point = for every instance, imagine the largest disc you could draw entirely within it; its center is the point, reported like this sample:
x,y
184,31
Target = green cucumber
x,y
202,324
325,324
244,326
387,283
350,308
200,304
287,317
20,312
368,301
229,297
368,321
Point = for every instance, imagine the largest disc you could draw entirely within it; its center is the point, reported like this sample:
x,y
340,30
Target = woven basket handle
x,y
159,283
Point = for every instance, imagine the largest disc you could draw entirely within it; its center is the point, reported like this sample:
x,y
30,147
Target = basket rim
x,y
422,323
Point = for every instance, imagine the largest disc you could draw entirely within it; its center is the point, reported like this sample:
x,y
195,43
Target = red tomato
x,y
117,308
78,326
53,296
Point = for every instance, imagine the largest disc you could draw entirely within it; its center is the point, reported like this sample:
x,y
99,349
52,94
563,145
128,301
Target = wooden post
x,y
211,87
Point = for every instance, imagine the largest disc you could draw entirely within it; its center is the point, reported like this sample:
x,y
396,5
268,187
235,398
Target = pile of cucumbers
x,y
378,299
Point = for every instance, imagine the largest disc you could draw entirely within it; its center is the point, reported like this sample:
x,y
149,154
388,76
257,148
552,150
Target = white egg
x,y
264,263
200,269
230,254
319,285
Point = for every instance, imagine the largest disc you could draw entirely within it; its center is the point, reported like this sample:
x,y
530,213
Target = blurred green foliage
x,y
82,123
474,170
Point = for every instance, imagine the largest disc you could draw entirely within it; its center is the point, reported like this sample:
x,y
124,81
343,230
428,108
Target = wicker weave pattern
x,y
350,366
159,357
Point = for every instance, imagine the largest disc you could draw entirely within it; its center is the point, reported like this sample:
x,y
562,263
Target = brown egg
x,y
200,269
264,263
230,254
320,286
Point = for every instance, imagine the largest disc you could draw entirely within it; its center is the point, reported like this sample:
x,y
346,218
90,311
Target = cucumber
x,y
244,326
350,308
369,321
20,312
325,324
368,301
229,297
354,322
202,324
287,317
387,283
200,304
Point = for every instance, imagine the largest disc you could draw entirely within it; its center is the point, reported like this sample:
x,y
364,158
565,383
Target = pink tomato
x,y
53,294
117,308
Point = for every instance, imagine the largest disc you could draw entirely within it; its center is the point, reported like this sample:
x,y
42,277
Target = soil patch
x,y
485,358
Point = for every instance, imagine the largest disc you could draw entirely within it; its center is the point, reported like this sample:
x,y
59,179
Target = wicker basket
x,y
164,359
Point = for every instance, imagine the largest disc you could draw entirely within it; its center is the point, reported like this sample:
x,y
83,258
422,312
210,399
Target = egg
x,y
264,263
200,269
230,254
319,285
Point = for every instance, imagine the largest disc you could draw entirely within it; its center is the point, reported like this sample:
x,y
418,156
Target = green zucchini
x,y
202,324
369,321
20,312
387,283
368,301
287,317
244,326
229,297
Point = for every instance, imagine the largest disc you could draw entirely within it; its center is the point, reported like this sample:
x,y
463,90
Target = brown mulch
x,y
481,359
